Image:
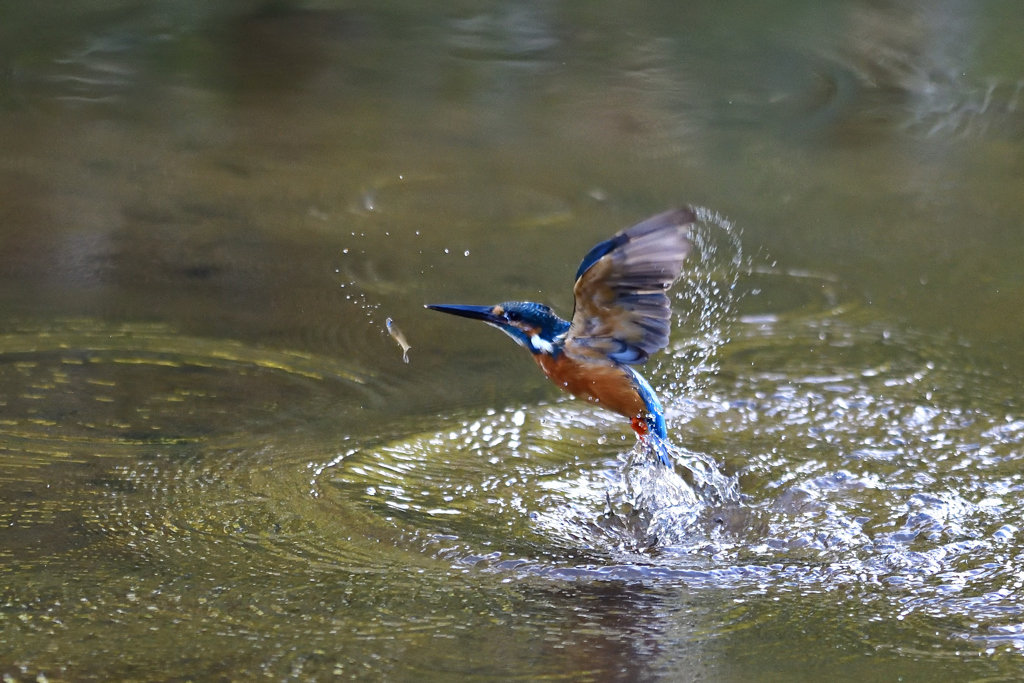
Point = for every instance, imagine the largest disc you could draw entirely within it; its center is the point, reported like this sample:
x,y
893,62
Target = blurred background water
x,y
214,464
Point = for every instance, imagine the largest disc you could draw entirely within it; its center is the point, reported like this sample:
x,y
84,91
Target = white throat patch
x,y
541,344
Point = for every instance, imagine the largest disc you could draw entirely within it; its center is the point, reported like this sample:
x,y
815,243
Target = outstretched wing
x,y
622,312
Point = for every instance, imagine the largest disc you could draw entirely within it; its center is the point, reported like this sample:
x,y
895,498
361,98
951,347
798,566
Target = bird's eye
x,y
513,316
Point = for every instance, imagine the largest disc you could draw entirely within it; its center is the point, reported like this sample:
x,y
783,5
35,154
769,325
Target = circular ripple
x,y
128,385
871,460
535,488
534,476
518,485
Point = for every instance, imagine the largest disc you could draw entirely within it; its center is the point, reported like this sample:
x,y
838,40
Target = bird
x,y
621,315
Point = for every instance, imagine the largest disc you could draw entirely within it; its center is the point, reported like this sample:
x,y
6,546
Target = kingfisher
x,y
621,316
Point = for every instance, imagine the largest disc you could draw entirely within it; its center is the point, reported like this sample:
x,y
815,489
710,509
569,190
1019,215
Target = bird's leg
x,y
654,440
639,425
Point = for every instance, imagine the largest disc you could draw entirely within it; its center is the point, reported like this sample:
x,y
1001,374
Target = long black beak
x,y
484,313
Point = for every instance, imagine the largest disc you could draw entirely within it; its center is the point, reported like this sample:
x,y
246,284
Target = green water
x,y
214,464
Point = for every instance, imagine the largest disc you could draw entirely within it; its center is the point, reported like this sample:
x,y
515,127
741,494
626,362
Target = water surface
x,y
216,466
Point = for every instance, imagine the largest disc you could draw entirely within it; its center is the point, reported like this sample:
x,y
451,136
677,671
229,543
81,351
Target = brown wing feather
x,y
622,313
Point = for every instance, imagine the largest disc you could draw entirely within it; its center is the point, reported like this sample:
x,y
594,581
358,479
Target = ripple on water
x,y
878,460
512,36
136,384
532,489
870,461
82,398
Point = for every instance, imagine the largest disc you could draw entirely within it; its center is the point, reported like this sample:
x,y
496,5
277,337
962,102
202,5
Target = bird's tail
x,y
656,433
657,438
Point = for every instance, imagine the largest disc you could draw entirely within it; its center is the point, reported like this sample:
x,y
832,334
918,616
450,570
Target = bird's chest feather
x,y
604,384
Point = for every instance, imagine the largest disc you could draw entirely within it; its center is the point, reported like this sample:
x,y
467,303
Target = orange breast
x,y
606,385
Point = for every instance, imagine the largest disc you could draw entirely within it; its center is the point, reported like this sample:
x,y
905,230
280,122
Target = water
x,y
215,464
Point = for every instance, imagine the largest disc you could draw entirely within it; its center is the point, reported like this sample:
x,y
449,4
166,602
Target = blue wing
x,y
622,312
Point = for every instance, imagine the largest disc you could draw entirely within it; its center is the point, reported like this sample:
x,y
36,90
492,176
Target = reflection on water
x,y
214,462
130,384
918,51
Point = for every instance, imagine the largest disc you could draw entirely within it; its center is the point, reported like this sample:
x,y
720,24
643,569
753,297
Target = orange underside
x,y
605,385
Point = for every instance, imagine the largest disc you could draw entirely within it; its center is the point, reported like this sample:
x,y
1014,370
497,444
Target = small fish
x,y
397,335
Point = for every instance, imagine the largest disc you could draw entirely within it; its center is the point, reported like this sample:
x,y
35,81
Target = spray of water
x,y
651,504
708,297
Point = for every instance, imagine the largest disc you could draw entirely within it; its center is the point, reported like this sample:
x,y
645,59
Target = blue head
x,y
534,326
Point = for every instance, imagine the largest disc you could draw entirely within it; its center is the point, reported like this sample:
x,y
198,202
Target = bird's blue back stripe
x,y
599,251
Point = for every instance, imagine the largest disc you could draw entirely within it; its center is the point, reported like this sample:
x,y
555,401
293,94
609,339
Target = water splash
x,y
709,295
653,506
872,464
